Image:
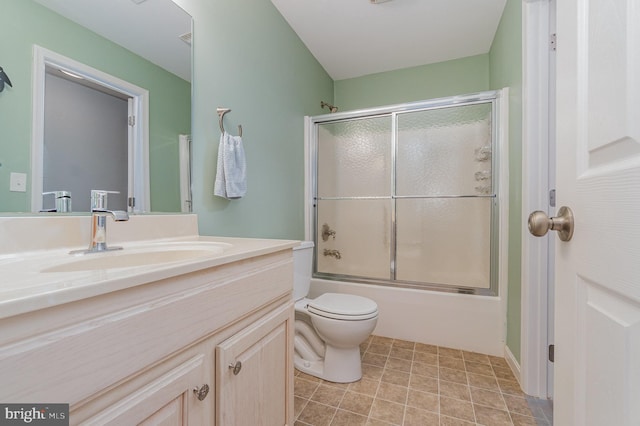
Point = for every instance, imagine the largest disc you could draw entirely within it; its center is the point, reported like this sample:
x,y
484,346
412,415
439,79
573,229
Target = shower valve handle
x,y
327,232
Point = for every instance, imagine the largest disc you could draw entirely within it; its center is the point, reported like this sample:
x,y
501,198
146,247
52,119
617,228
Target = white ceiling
x,y
351,38
150,29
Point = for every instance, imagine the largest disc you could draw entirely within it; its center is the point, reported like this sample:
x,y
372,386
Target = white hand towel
x,y
231,175
219,187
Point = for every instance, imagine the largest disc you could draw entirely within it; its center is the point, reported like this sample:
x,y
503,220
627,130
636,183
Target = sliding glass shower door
x,y
444,196
408,197
354,197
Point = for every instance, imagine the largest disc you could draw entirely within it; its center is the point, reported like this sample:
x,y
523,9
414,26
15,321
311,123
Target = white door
x,y
597,369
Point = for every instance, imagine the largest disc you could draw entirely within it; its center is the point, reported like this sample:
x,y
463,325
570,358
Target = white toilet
x,y
329,328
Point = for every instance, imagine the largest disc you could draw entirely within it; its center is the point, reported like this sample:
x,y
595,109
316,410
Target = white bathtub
x,y
469,322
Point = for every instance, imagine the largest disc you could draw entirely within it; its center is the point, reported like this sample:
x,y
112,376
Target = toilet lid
x,y
343,306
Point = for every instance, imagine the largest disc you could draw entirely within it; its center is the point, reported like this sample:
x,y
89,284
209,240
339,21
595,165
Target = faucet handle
x,y
99,198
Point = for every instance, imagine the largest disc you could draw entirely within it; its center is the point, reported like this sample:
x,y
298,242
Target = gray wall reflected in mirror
x,y
85,144
27,23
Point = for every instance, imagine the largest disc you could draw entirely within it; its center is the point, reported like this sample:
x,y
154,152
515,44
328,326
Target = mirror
x,y
144,43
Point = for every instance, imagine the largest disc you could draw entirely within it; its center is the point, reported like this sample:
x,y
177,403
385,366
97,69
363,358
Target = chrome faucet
x,y
99,215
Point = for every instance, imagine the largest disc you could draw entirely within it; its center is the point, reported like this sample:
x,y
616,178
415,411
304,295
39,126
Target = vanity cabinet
x,y
142,355
252,373
167,399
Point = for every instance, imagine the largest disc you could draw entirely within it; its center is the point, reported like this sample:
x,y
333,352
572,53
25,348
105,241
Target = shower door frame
x,y
499,207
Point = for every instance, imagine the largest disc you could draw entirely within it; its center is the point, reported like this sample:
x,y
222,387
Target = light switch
x,y
18,182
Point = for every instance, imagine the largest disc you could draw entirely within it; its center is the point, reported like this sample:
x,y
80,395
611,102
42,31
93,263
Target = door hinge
x,y
552,353
553,42
552,198
131,201
132,120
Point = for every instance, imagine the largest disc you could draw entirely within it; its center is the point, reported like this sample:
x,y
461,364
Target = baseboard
x,y
513,363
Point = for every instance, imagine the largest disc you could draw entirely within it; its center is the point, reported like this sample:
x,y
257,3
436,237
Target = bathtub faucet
x,y
327,232
332,253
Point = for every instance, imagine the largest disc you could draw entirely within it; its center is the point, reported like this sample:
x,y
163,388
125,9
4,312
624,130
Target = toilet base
x,y
339,365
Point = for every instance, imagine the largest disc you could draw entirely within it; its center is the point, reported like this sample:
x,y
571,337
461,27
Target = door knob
x,y
540,223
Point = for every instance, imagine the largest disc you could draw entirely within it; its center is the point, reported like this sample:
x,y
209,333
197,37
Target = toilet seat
x,y
341,306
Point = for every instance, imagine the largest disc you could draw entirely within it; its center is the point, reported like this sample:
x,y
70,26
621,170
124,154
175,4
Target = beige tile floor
x,y
407,383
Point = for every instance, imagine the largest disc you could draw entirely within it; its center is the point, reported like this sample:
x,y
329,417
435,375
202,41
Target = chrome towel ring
x,y
221,112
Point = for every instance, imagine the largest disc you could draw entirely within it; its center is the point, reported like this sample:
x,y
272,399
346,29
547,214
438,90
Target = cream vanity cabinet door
x,y
254,373
168,399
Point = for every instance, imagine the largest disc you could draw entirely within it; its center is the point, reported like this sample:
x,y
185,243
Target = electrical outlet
x,y
18,182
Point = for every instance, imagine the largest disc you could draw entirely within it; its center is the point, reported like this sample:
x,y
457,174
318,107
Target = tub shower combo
x,y
406,195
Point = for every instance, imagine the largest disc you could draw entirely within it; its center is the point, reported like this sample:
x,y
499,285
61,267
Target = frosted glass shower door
x,y
405,195
353,202
444,196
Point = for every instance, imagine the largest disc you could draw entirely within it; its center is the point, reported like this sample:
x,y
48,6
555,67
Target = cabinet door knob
x,y
236,368
202,392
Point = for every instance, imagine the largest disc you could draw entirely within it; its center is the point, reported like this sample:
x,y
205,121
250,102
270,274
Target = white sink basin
x,y
139,256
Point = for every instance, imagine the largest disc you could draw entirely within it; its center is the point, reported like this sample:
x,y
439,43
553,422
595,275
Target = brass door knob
x,y
540,223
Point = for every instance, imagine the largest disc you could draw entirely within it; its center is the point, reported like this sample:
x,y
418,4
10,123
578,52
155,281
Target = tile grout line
x,y
338,405
438,381
406,398
466,374
378,386
501,393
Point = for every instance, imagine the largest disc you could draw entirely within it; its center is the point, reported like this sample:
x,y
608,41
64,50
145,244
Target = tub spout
x,y
332,253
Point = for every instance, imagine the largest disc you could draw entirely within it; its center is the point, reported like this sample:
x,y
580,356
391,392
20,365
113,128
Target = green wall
x,y
456,77
505,60
247,58
24,23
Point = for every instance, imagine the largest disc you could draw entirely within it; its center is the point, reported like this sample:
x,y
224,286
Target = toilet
x,y
329,328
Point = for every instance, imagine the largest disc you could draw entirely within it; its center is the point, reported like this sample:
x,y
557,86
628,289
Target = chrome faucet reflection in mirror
x,y
62,201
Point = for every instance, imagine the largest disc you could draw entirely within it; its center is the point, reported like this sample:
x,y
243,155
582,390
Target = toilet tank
x,y
302,264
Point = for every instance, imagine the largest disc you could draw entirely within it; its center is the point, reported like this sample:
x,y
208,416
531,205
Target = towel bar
x,y
221,112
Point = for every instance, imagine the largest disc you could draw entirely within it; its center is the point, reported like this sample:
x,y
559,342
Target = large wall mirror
x,y
128,114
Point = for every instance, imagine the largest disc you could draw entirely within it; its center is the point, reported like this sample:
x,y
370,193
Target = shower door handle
x,y
540,223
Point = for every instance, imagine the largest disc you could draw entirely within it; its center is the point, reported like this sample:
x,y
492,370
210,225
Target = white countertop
x,y
24,287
